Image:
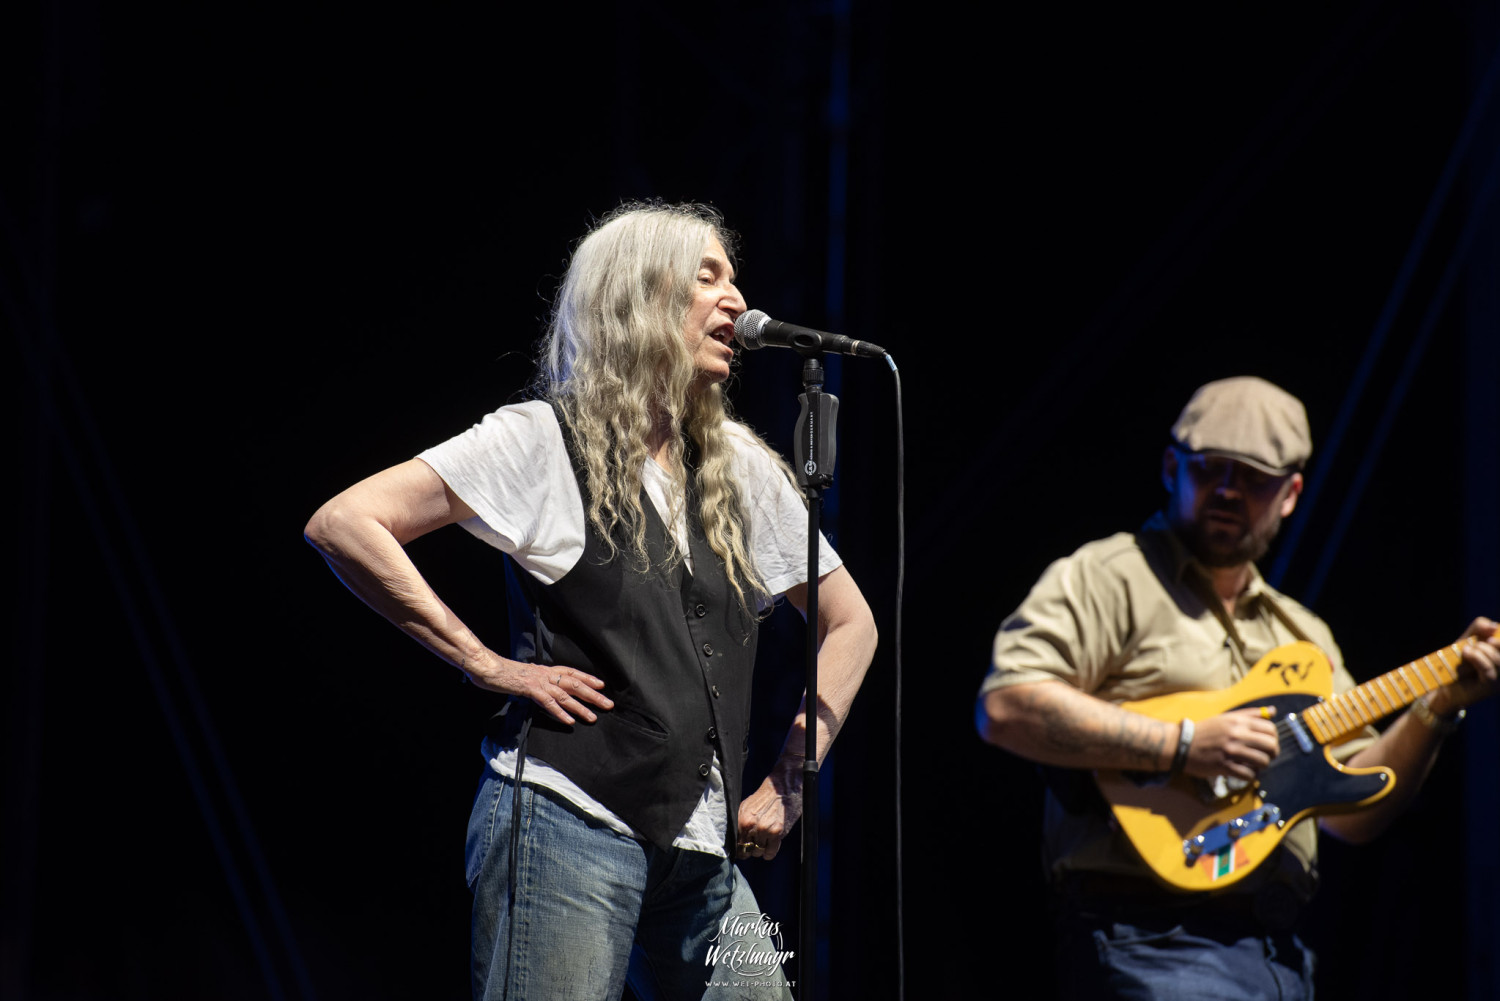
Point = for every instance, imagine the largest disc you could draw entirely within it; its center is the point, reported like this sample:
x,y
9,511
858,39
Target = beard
x,y
1222,544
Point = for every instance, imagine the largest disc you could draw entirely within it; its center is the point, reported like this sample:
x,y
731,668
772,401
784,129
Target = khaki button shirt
x,y
1131,617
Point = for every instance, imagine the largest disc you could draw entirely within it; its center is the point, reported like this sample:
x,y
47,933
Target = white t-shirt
x,y
513,471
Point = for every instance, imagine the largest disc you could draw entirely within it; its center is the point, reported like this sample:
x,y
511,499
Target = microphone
x,y
755,330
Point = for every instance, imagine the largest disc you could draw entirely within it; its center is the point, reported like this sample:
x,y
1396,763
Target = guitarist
x,y
1176,606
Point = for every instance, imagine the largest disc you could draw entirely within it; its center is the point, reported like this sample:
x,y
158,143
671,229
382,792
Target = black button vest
x,y
675,652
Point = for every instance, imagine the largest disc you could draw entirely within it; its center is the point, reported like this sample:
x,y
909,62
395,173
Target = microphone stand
x,y
814,450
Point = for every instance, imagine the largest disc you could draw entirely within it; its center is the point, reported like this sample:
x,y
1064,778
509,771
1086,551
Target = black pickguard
x,y
1297,780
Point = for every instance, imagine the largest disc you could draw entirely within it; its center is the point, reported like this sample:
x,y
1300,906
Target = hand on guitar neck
x,y
1479,674
1409,746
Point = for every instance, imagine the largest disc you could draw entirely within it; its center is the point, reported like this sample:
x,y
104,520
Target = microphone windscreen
x,y
748,326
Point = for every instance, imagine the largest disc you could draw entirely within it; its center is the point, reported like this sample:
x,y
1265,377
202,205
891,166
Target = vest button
x,y
700,611
708,649
715,690
703,770
713,733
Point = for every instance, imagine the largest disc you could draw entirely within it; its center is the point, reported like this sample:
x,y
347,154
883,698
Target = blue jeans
x,y
593,908
1163,961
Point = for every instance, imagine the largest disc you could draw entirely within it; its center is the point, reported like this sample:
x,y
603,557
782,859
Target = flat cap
x,y
1248,420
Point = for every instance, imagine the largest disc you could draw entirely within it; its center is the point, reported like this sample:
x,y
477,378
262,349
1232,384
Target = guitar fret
x,y
1351,710
1361,713
1325,720
1412,692
1382,701
1442,658
1310,722
1437,682
1341,715
1372,708
1313,717
1416,668
1395,703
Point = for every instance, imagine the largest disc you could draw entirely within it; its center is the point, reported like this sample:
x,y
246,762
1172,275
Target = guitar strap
x,y
1286,619
1206,594
1217,607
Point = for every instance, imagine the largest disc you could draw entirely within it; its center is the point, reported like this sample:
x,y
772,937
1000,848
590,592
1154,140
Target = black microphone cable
x,y
900,618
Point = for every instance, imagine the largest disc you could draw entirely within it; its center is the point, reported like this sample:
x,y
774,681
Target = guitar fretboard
x,y
1339,716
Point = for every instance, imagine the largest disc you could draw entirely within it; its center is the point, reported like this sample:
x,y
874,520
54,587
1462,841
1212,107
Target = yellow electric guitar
x,y
1197,835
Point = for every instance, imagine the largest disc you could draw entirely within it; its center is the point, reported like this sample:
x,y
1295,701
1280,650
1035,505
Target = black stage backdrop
x,y
254,252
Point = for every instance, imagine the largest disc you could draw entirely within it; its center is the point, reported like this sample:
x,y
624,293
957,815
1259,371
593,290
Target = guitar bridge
x,y
1220,787
1217,839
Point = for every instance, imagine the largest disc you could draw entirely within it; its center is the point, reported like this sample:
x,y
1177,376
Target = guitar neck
x,y
1336,718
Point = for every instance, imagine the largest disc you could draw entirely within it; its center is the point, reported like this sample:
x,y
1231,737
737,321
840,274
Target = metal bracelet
x,y
1184,741
1432,721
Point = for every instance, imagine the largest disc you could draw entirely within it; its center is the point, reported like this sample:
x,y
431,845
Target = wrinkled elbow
x,y
992,718
322,528
872,634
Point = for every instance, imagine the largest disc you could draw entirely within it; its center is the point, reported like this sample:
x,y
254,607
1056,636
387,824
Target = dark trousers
x,y
1154,946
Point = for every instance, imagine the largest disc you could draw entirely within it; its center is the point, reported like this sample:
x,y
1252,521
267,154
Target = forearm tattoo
x,y
1101,733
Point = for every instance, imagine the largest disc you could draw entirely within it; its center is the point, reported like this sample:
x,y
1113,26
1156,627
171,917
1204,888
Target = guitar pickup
x,y
1300,732
1217,839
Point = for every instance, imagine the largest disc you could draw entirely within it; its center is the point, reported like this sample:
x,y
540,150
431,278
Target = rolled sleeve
x,y
1068,628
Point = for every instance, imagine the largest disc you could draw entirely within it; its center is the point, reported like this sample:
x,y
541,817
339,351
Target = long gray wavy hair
x,y
615,362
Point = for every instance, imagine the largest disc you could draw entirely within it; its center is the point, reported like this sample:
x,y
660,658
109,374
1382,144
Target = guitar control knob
x,y
1236,827
1193,847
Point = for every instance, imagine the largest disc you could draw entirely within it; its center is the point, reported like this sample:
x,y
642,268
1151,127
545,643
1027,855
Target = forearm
x,y
1053,723
367,557
1410,748
843,658
846,646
